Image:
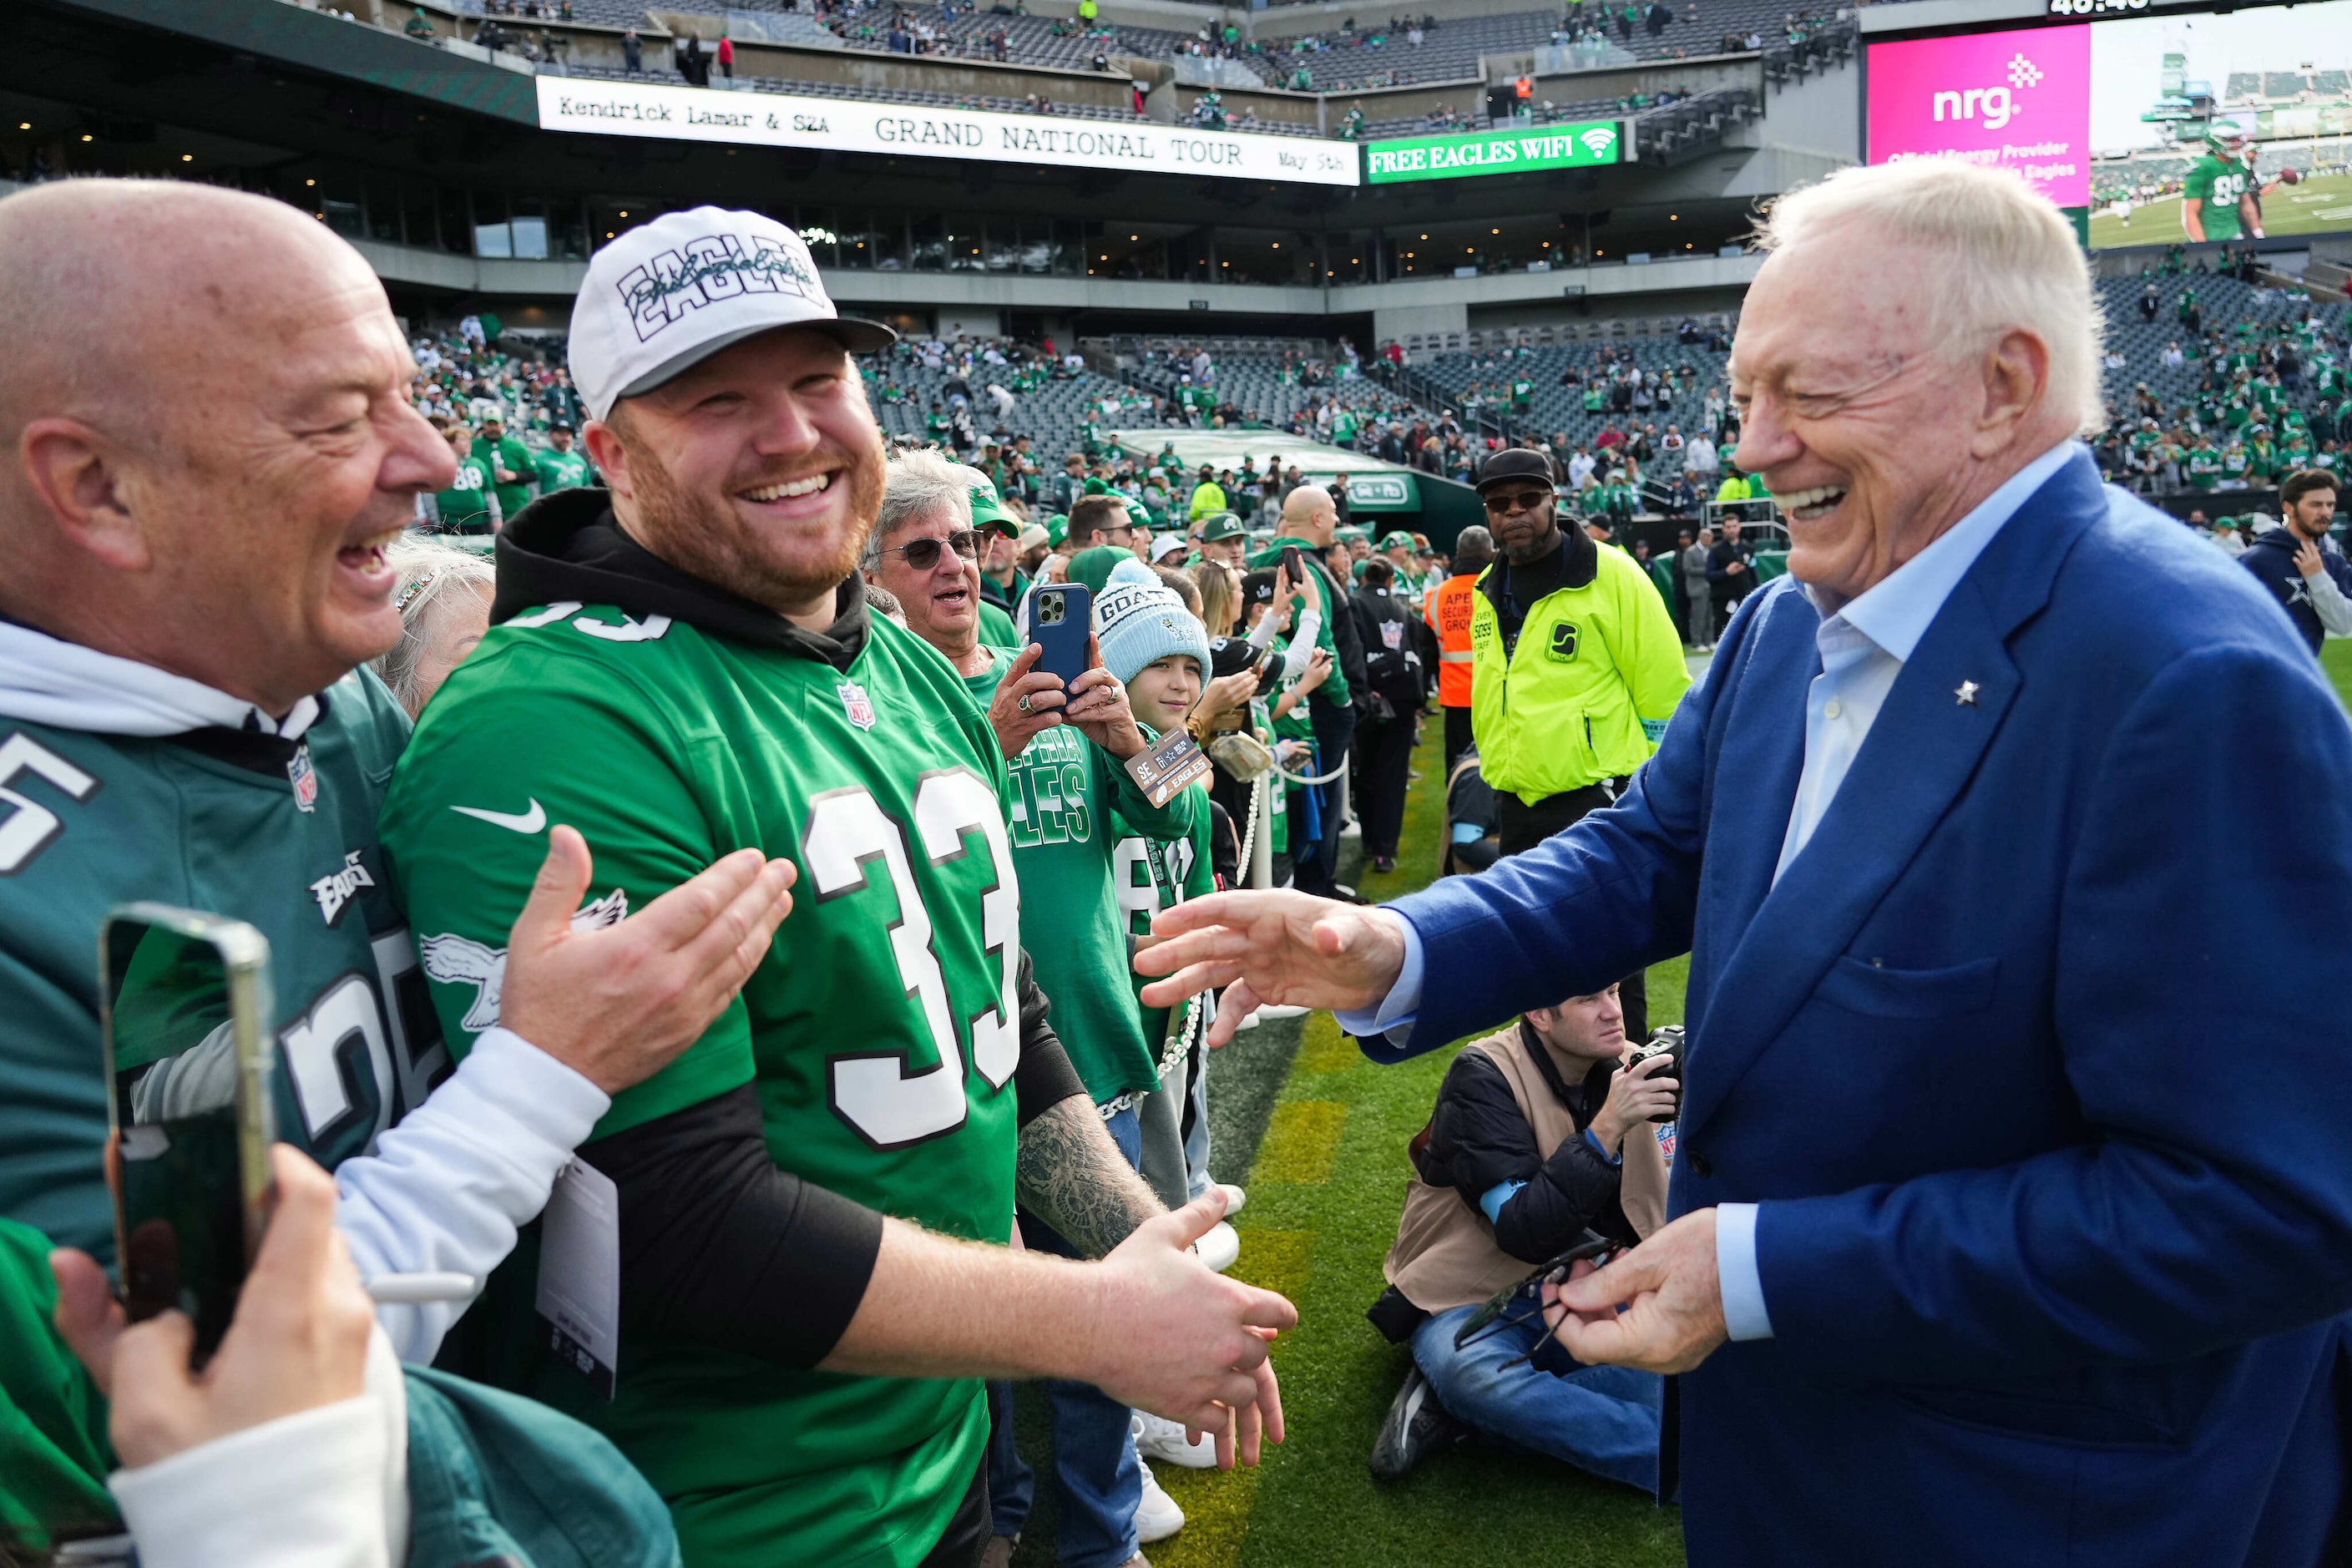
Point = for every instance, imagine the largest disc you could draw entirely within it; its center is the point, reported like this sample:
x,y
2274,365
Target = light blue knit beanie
x,y
1139,621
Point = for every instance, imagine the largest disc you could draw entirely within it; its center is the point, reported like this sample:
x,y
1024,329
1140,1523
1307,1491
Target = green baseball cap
x,y
1138,514
1221,525
1057,528
1092,565
988,510
1396,539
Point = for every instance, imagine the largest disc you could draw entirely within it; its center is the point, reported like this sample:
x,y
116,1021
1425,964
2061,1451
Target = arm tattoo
x,y
1070,1174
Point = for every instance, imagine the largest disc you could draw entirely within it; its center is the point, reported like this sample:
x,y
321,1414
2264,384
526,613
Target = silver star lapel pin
x,y
1967,693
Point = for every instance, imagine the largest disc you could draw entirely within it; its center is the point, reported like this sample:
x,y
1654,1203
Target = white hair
x,y
922,481
2011,260
428,572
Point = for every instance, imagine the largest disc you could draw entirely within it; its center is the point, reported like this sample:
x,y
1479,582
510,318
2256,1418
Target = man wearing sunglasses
x,y
1575,668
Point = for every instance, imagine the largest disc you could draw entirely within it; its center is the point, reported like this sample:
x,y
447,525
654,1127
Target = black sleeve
x,y
720,1245
1484,1141
1045,1077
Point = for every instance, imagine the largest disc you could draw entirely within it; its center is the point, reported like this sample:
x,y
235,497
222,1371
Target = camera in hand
x,y
1666,1042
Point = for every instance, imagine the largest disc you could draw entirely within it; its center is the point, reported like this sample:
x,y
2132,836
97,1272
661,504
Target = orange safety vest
x,y
1448,612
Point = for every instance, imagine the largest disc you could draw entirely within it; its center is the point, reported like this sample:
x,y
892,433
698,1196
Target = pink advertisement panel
x,y
2018,99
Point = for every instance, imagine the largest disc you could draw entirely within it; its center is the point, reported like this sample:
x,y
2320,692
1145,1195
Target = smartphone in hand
x,y
1061,616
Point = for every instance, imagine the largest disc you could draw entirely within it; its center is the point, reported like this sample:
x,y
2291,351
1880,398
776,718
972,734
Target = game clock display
x,y
2096,7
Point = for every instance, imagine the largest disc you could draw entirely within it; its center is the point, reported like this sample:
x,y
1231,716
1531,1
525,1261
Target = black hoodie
x,y
2271,558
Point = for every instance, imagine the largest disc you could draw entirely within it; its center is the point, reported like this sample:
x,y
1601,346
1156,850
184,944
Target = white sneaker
x,y
1269,1010
1250,1022
1235,1199
1220,1247
1157,1437
1156,1517
1354,829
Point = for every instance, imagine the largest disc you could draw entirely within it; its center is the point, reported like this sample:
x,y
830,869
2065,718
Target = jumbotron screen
x,y
2165,127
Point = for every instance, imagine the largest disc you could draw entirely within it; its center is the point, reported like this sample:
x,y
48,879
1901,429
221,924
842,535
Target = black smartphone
x,y
1061,615
185,1030
1295,562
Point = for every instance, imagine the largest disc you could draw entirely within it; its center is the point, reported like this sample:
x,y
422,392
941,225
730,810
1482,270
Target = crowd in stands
x,y
1400,51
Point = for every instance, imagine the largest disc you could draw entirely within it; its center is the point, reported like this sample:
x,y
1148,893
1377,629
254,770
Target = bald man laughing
x,y
210,444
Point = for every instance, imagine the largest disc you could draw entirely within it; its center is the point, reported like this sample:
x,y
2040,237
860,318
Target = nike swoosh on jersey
x,y
530,821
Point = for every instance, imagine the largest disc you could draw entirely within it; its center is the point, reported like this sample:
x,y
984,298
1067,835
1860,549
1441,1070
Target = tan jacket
x,y
1445,1255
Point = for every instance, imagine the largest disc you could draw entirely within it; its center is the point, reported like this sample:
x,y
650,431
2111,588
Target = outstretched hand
x,y
1283,947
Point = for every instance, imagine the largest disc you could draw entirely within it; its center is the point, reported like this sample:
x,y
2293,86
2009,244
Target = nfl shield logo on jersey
x,y
305,777
853,702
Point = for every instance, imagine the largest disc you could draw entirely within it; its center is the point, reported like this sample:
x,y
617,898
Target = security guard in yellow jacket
x,y
1575,668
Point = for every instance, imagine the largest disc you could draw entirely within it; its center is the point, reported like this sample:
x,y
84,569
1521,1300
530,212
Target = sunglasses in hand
x,y
1495,1315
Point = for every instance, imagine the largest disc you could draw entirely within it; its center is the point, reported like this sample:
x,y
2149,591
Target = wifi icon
x,y
1599,139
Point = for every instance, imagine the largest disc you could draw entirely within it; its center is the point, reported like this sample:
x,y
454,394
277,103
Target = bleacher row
x,y
1336,62
2224,302
2286,85
880,95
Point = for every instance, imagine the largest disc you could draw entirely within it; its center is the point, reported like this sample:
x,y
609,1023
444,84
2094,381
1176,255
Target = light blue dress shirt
x,y
1862,648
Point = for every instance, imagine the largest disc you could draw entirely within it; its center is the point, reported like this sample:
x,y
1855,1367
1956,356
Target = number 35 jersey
x,y
881,1031
278,832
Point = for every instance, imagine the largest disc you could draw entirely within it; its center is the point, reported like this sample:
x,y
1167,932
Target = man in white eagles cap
x,y
687,662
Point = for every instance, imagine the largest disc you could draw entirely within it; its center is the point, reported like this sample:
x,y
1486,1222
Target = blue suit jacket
x,y
2036,1058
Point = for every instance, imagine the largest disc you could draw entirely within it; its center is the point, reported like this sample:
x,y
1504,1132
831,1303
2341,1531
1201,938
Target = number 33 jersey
x,y
881,1031
278,832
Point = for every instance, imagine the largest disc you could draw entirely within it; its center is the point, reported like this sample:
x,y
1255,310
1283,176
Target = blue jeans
x,y
1093,1449
1603,1419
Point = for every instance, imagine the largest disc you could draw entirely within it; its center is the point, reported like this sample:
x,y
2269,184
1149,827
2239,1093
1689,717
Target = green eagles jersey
x,y
2217,183
465,506
881,1034
996,629
515,458
275,832
1148,874
561,470
53,1452
1063,793
1343,429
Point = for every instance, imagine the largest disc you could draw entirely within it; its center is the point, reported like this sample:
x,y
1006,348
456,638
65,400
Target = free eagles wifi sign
x,y
1492,153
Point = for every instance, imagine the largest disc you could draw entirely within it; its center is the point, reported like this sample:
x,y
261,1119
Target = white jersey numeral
x,y
325,1074
29,825
948,805
847,834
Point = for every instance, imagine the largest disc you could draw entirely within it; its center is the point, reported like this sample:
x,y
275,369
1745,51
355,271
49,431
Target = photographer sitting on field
x,y
1539,1135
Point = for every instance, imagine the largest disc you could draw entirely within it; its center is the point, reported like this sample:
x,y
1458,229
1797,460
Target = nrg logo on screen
x,y
1998,104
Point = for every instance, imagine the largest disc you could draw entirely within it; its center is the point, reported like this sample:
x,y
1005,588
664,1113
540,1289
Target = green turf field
x,y
1317,1134
2336,658
2318,206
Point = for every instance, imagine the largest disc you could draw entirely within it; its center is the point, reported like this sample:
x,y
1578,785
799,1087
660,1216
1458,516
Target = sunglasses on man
x,y
922,554
1516,500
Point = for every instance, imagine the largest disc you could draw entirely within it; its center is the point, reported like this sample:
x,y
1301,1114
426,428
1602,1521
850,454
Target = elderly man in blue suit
x,y
2012,842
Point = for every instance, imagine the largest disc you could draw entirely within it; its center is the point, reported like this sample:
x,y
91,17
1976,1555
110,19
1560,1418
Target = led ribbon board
x,y
854,125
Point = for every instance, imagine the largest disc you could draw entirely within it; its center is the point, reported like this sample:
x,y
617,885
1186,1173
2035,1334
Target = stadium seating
x,y
1651,345
1254,381
884,95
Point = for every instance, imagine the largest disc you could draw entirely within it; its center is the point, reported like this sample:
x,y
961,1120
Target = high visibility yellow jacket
x,y
1584,692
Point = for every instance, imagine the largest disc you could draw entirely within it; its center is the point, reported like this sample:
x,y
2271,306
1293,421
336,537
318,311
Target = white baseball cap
x,y
1168,544
669,294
